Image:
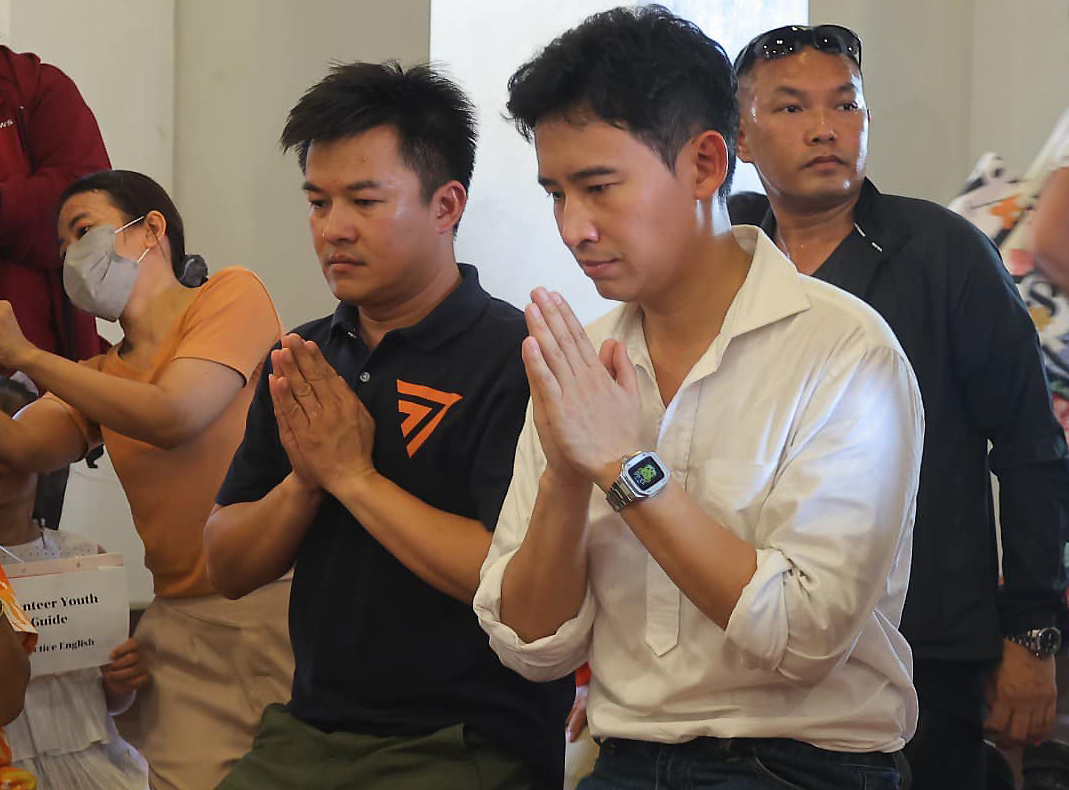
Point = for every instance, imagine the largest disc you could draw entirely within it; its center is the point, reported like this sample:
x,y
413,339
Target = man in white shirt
x,y
736,581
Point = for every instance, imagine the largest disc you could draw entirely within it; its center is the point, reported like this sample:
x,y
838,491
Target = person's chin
x,y
347,289
614,289
831,190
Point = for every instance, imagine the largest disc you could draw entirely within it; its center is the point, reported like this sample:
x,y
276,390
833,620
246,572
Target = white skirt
x,y
66,738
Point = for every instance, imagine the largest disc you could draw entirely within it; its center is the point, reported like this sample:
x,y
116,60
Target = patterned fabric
x,y
10,778
1000,203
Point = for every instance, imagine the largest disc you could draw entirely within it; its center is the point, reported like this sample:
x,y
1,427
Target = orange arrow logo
x,y
424,408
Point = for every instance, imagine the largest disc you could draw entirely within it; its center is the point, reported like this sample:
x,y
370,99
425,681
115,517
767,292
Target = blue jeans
x,y
741,764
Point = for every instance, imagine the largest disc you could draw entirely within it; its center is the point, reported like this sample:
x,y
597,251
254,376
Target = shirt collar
x,y
877,235
453,315
772,291
878,227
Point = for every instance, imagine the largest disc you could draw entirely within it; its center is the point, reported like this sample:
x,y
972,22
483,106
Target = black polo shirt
x,y
378,650
940,285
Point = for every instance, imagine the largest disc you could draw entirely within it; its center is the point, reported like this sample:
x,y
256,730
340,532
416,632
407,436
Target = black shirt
x,y
941,286
378,650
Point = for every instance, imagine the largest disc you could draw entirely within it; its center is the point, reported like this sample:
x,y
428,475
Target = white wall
x,y
120,53
1020,76
241,65
916,56
733,25
508,229
951,79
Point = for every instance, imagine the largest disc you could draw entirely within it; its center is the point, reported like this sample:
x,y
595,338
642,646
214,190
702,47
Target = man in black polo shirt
x,y
383,499
941,287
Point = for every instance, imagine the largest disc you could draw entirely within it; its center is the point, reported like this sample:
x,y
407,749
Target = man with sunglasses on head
x,y
943,290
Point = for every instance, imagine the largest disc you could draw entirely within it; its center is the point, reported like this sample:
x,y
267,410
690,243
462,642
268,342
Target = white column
x,y
508,230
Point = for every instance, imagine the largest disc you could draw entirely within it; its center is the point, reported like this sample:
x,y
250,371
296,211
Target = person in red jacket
x,y
48,139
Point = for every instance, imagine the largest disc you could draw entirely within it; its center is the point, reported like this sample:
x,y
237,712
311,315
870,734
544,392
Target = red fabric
x,y
582,675
58,131
1061,411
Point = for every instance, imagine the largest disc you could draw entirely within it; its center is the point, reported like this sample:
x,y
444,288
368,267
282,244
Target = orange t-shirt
x,y
20,623
231,321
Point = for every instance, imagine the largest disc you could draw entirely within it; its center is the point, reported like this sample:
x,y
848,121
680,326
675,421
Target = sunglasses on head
x,y
784,41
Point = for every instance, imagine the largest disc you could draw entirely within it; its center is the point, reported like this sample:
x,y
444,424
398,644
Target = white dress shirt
x,y
799,429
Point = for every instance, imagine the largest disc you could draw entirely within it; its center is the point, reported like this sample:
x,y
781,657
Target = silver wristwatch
x,y
642,475
1043,642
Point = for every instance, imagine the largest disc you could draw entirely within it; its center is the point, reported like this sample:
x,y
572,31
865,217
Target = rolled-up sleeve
x,y
834,536
559,653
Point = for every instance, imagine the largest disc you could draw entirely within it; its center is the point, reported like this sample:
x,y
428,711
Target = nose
x,y
337,225
822,129
575,222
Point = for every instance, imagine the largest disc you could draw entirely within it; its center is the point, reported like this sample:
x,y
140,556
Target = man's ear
x,y
742,146
711,161
448,203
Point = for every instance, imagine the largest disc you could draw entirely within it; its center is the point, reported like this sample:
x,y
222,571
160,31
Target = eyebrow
x,y
356,186
798,93
77,218
74,221
582,175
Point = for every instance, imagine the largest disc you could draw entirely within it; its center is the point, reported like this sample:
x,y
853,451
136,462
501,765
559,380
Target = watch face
x,y
1049,641
645,474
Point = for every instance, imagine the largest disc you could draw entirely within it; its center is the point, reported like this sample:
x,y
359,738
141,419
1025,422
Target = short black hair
x,y
642,69
14,395
433,118
747,208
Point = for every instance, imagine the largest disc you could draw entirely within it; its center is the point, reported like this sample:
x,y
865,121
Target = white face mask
x,y
96,278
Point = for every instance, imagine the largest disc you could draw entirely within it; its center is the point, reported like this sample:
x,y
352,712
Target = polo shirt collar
x,y
453,315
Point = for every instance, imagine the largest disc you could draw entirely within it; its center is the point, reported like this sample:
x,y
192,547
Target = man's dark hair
x,y
434,120
747,208
640,69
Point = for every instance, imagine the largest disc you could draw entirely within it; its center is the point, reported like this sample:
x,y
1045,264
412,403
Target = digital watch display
x,y
647,474
641,476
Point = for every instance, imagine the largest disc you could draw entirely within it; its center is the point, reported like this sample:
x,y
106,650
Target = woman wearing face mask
x,y
168,402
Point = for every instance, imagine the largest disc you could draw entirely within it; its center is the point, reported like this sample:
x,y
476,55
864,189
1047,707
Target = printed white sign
x,y
80,608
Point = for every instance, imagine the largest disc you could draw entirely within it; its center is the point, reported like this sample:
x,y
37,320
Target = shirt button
x,y
365,377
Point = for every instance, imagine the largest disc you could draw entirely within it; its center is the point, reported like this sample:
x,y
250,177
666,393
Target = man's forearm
x,y
443,549
251,544
709,564
545,582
